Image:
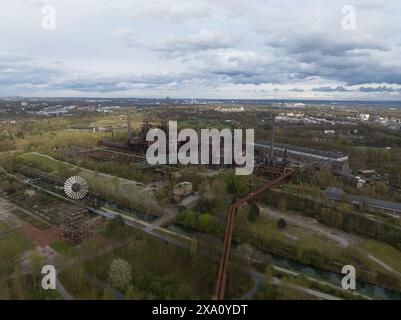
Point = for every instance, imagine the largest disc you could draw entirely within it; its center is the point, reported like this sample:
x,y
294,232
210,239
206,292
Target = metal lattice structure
x,y
75,226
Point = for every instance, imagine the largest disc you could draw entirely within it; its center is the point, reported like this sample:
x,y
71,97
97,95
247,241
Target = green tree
x,y
281,224
36,264
75,276
132,293
210,224
246,253
282,205
254,212
120,274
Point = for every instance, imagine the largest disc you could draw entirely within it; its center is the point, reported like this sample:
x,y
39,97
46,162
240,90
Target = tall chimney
x,y
129,126
273,137
197,123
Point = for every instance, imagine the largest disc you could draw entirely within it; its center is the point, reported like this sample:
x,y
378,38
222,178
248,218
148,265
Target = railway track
x,y
222,273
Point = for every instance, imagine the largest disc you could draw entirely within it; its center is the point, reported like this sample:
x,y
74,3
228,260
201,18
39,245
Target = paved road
x,y
259,281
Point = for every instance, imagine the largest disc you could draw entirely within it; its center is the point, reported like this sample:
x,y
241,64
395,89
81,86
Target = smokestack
x,y
129,126
197,122
273,137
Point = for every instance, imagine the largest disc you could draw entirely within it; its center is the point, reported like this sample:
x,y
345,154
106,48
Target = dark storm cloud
x,y
88,83
378,89
357,59
330,89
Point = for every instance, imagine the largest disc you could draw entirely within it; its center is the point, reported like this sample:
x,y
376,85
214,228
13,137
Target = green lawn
x,y
304,238
42,162
384,252
12,245
14,240
61,247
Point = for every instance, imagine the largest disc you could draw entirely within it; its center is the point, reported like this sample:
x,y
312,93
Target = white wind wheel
x,y
76,188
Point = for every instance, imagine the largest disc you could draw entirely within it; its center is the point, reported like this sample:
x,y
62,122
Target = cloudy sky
x,y
253,49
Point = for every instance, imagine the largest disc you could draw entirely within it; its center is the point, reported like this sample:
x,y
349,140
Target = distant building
x,y
367,173
369,204
364,117
230,109
103,129
182,190
337,160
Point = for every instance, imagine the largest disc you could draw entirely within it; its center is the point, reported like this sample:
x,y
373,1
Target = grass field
x,y
384,252
62,247
43,163
12,245
14,240
267,228
328,250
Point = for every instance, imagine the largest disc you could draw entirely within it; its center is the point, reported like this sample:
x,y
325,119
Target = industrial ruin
x,y
75,226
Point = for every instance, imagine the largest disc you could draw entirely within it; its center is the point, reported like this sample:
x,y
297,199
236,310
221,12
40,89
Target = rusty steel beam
x,y
222,273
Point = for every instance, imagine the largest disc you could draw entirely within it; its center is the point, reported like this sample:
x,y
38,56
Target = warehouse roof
x,y
338,194
326,155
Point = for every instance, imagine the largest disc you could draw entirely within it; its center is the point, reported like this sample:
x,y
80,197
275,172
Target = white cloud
x,y
204,48
205,39
126,37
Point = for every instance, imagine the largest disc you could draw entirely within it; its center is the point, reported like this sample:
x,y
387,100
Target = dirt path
x,y
381,263
260,279
341,237
169,215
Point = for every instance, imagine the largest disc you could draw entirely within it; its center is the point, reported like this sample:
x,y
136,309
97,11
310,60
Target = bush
x,y
254,212
281,224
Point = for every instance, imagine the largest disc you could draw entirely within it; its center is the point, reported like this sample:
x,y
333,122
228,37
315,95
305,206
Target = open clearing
x,y
382,256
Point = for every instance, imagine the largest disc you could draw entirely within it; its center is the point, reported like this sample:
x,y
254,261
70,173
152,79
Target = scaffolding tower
x,y
75,226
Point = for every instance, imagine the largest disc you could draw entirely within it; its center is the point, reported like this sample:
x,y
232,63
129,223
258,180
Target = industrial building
x,y
369,204
266,152
182,190
286,152
75,226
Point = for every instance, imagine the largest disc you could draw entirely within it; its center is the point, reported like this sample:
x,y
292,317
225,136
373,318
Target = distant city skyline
x,y
232,49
